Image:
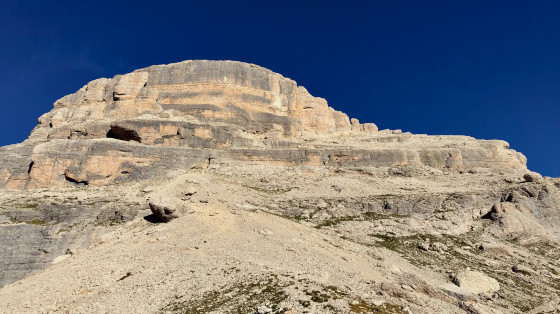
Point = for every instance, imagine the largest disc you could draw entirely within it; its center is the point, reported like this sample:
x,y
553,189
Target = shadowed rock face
x,y
229,111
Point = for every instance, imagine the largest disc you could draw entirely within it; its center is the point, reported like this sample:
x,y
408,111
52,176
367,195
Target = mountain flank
x,y
223,187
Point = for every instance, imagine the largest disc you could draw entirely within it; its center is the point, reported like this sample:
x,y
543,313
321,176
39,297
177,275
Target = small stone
x,y
424,246
266,232
263,310
148,189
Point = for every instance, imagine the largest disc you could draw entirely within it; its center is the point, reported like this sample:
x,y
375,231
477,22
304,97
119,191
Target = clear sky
x,y
488,69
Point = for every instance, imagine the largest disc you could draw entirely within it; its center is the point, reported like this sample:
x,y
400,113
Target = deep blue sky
x,y
488,69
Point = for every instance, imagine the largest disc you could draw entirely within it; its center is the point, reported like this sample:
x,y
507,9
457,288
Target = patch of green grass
x,y
241,298
318,296
298,218
357,305
37,222
334,221
520,291
545,248
368,216
408,247
107,223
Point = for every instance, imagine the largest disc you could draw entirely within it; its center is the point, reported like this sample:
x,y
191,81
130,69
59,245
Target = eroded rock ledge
x,y
183,115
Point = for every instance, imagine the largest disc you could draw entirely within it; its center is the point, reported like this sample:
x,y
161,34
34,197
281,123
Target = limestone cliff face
x,y
245,95
188,114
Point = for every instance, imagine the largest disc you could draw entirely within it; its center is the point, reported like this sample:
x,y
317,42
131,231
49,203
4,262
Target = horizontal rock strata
x,y
183,115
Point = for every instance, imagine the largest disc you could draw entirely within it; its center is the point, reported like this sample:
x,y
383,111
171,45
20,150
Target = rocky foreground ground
x,y
283,205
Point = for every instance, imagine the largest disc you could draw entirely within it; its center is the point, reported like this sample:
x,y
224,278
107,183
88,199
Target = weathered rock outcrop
x,y
476,282
182,115
163,213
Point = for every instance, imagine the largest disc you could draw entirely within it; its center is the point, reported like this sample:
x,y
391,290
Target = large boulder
x,y
476,282
163,213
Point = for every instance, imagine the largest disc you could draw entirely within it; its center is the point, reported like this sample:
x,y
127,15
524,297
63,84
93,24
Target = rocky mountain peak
x,y
223,187
201,91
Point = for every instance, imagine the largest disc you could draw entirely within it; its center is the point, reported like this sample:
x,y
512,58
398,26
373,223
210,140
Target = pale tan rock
x,y
504,207
236,111
341,120
476,282
61,258
163,213
532,177
96,90
129,85
370,127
